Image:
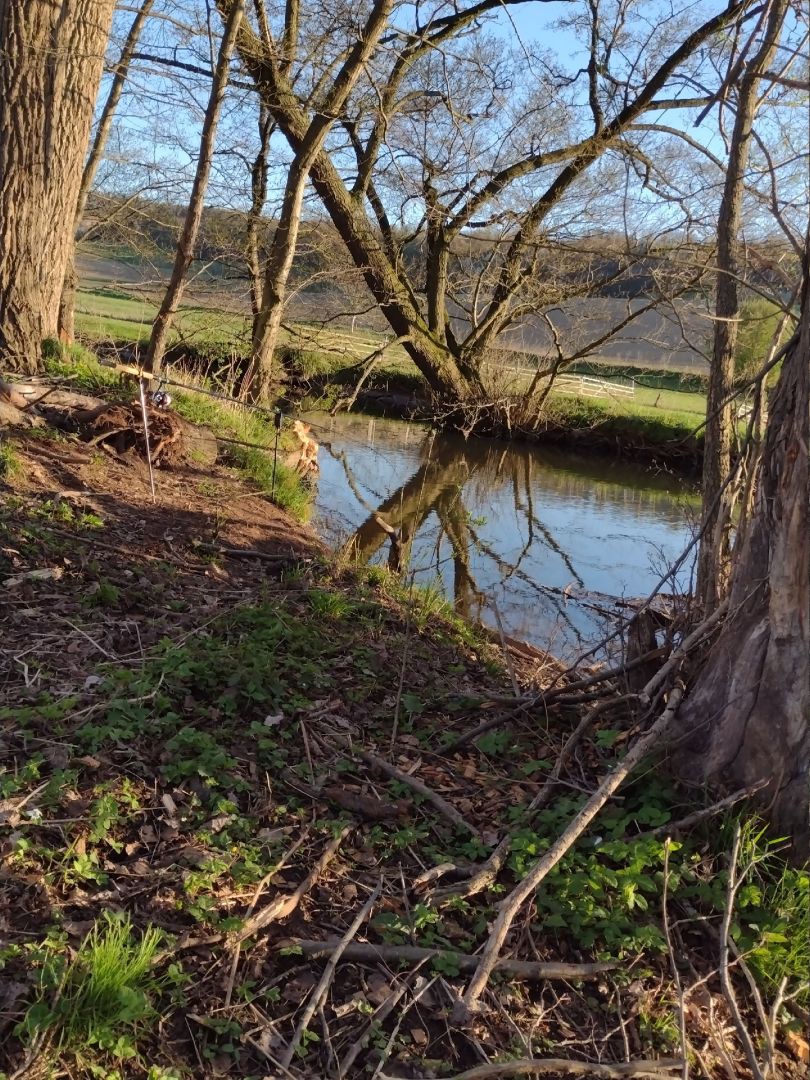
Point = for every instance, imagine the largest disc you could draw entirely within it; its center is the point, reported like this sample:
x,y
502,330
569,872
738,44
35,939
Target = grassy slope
x,y
169,778
83,372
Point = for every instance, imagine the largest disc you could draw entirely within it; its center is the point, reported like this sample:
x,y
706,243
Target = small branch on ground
x,y
442,805
319,993
702,815
654,1070
487,873
725,979
284,905
512,903
528,970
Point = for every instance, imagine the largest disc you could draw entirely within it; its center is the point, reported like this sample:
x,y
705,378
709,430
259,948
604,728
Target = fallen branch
x,y
702,815
488,872
377,1017
521,1066
510,906
445,808
528,970
725,979
319,993
284,905
558,695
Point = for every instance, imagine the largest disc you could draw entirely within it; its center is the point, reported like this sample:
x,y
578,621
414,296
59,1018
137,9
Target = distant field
x,y
116,315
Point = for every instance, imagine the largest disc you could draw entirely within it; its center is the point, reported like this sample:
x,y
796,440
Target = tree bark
x,y
748,715
714,559
258,192
191,225
52,61
267,323
68,300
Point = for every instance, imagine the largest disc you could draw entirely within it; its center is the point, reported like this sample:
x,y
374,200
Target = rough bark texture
x,y
191,224
714,562
258,187
747,718
68,300
52,60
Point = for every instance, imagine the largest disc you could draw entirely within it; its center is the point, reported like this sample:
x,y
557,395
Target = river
x,y
544,540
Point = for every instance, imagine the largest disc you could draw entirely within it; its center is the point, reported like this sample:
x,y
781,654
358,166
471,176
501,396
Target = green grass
x,y
623,418
10,465
103,996
86,373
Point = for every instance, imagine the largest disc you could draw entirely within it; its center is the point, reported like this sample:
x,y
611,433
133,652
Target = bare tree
x,y
502,192
52,63
191,225
714,562
327,106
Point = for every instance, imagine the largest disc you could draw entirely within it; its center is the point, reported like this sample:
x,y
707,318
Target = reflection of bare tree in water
x,y
438,486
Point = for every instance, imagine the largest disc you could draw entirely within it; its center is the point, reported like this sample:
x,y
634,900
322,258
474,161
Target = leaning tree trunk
x,y
714,560
67,303
748,717
49,78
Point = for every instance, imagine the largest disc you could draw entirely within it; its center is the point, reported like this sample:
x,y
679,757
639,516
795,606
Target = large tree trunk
x,y
49,77
748,716
68,300
714,561
191,225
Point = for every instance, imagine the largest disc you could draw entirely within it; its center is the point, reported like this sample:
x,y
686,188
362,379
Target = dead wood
x,y
320,991
655,1070
488,872
510,906
284,905
528,970
367,806
445,808
556,695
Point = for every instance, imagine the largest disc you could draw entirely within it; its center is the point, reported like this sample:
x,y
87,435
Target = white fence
x,y
591,386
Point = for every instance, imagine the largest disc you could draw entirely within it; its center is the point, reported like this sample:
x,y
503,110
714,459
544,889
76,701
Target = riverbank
x,y
244,807
658,425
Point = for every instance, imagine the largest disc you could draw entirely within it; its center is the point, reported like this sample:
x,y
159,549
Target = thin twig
x,y
725,979
487,873
511,905
442,805
675,973
282,906
380,1014
319,993
285,858
701,815
655,1070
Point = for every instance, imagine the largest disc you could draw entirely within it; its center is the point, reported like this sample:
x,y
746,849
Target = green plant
x,y
103,998
11,467
102,594
758,325
330,605
772,914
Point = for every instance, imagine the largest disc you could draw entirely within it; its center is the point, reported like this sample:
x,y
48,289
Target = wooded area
x,y
441,170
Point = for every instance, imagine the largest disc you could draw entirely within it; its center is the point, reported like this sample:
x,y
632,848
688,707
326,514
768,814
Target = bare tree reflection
x,y
438,487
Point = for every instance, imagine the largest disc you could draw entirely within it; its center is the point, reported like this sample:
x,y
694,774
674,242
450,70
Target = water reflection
x,y
540,539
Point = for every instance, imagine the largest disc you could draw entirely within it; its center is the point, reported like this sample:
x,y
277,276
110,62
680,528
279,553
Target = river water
x,y
544,540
